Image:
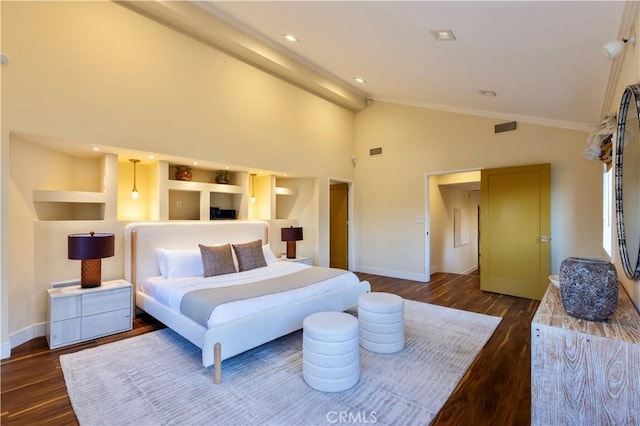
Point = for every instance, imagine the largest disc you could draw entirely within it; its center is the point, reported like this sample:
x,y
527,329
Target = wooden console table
x,y
585,372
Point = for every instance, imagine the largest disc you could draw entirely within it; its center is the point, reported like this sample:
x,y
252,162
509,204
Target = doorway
x,y
339,225
452,222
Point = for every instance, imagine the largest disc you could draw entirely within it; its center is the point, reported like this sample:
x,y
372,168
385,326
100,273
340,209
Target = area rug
x,y
158,379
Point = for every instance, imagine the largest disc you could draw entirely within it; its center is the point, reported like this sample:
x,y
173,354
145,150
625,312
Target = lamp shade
x,y
90,246
291,234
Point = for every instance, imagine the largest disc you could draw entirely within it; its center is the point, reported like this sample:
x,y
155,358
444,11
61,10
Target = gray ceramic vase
x,y
589,288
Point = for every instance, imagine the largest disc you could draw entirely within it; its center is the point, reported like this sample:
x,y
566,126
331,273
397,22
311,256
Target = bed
x,y
236,326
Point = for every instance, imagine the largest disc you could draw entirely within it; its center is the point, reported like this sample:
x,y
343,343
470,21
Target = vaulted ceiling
x,y
543,59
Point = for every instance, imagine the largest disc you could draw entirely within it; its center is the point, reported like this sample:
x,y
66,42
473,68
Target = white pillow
x,y
269,257
180,263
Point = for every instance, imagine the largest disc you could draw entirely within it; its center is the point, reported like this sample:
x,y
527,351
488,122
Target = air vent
x,y
375,151
506,127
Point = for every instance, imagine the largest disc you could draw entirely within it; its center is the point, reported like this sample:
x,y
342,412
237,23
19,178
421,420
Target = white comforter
x,y
170,291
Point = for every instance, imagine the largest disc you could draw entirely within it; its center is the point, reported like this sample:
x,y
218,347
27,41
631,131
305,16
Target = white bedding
x,y
169,292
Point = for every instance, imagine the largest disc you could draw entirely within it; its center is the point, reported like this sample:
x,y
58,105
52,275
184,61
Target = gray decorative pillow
x,y
250,255
217,260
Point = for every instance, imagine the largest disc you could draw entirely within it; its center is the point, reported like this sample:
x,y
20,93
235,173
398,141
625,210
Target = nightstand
x,y
75,314
305,260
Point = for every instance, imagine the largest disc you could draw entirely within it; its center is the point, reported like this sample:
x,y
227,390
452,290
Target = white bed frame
x,y
234,337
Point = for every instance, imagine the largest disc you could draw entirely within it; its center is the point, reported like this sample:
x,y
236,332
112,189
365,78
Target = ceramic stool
x,y
330,351
381,318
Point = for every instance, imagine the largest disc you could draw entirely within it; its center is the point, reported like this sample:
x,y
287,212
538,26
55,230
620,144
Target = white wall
x,y
418,141
98,73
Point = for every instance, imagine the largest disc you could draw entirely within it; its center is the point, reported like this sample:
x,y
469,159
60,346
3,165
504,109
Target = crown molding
x,y
493,114
629,15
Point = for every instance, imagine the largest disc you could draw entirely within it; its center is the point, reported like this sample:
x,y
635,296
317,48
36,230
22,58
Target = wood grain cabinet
x,y
75,314
585,372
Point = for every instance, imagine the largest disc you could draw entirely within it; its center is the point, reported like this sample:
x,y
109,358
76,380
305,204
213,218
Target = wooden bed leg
x,y
217,364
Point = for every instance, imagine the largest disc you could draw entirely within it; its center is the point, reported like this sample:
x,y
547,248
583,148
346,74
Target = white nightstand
x,y
305,260
76,314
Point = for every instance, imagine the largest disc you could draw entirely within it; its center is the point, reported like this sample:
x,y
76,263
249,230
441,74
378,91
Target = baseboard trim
x,y
391,273
6,350
470,270
27,333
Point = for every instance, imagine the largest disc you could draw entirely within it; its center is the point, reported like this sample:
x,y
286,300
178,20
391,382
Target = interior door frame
x,y
351,248
427,216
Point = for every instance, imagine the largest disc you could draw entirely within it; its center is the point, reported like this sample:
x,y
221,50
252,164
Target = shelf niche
x,y
193,199
68,204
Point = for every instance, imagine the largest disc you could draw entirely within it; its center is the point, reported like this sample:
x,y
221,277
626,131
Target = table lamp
x,y
90,248
291,235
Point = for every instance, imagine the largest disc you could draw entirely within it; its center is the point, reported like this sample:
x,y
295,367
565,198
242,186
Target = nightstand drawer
x,y
65,308
106,323
64,332
95,303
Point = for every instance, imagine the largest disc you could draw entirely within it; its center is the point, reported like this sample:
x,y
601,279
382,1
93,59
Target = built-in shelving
x,y
68,204
180,185
286,191
40,195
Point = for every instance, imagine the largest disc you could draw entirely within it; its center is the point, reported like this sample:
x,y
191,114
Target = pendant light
x,y
253,187
134,191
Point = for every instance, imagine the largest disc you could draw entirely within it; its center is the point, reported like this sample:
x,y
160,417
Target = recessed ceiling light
x,y
443,35
195,163
487,93
360,80
291,37
95,148
151,156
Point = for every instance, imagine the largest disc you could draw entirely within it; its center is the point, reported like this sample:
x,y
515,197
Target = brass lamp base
x,y
91,273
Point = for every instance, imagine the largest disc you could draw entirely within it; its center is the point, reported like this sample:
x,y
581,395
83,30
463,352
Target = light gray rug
x,y
158,378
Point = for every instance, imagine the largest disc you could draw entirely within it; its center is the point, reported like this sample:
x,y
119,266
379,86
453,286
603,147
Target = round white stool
x,y
381,318
330,351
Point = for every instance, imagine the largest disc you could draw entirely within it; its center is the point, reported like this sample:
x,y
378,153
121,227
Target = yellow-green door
x,y
515,240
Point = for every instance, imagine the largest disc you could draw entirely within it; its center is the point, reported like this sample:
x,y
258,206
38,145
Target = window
x,y
607,211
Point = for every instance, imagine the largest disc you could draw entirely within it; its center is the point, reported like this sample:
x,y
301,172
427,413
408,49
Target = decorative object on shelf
x,y
90,248
600,141
222,176
134,191
291,235
627,184
615,48
588,288
183,173
253,188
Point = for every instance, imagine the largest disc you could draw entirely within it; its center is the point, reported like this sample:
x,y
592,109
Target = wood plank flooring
x,y
494,391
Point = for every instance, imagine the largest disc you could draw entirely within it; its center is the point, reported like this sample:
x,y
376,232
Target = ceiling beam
x,y
204,26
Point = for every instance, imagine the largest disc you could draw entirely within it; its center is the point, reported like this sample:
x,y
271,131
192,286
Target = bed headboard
x,y
141,240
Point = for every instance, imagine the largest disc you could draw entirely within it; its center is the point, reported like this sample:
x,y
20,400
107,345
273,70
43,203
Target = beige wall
x,y
629,74
98,73
417,141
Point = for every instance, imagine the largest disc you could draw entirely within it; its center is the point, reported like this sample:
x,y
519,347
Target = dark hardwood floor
x,y
494,391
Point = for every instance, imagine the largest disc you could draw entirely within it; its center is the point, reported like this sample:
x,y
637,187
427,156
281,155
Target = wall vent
x,y
375,151
506,127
